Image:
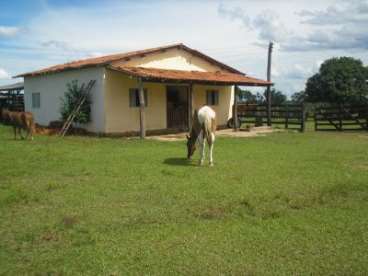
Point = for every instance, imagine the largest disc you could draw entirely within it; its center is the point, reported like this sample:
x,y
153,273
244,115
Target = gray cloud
x,y
56,44
235,13
270,27
342,26
267,24
338,27
355,12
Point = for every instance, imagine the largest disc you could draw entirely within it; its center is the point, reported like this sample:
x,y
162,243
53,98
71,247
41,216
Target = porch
x,y
165,99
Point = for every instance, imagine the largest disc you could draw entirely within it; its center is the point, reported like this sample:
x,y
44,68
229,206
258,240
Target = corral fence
x,y
13,102
340,118
289,116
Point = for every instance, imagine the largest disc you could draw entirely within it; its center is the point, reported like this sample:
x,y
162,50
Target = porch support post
x,y
235,111
190,105
142,119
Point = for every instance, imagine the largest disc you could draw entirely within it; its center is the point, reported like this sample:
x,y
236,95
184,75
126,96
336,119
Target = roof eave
x,y
162,79
37,73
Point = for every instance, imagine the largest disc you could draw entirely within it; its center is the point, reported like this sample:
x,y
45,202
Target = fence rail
x,y
340,118
290,116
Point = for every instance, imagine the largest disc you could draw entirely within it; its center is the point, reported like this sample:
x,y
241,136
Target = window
x,y
212,97
36,100
134,97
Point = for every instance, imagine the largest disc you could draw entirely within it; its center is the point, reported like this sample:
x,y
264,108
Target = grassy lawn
x,y
284,204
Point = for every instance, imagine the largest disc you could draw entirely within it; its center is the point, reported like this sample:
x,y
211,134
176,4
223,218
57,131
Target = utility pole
x,y
269,103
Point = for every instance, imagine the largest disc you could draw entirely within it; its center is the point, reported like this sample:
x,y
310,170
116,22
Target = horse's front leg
x,y
15,132
202,146
20,133
30,132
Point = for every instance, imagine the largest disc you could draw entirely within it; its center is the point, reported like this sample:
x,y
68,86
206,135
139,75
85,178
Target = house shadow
x,y
178,162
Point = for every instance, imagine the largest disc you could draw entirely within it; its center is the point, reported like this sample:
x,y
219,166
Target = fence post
x,y
340,117
286,116
315,120
302,126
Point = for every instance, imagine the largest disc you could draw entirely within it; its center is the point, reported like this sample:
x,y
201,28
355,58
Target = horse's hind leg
x,y
202,146
20,133
211,144
30,132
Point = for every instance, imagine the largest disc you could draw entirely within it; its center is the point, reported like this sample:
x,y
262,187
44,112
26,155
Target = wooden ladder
x,y
76,110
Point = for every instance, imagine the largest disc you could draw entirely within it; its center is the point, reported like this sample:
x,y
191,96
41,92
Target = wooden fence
x,y
340,118
12,101
289,116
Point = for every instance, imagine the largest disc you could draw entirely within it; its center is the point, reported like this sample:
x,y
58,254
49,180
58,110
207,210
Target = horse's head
x,y
191,145
3,114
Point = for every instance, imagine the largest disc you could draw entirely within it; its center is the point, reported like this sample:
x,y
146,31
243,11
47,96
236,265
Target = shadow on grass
x,y
178,162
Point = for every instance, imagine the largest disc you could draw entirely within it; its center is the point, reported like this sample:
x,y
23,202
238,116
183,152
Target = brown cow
x,y
19,121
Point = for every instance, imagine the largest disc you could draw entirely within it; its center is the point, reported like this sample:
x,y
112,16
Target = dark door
x,y
177,107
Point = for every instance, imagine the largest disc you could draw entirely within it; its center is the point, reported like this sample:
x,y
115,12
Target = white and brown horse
x,y
203,129
19,121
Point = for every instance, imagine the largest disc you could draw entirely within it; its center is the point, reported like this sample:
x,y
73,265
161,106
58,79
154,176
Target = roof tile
x,y
155,74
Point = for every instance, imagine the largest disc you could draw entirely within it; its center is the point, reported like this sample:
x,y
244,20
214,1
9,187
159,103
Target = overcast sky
x,y
39,33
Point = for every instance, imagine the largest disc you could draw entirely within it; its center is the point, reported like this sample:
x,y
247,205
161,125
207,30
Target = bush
x,y
71,100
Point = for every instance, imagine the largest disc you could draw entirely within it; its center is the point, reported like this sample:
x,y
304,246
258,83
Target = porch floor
x,y
242,133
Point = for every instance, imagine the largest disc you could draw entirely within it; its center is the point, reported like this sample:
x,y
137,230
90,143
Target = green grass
x,y
284,204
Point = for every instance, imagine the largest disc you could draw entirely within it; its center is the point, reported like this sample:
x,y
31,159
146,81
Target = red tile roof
x,y
106,60
154,74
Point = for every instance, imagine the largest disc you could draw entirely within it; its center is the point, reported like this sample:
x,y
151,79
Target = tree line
x,y
342,80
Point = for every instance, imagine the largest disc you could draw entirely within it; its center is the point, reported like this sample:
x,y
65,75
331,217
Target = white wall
x,y
52,88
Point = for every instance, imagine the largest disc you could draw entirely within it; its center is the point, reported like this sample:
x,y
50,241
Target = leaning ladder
x,y
76,110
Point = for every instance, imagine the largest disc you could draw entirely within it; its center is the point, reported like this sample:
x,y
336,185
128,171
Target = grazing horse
x,y
19,121
203,129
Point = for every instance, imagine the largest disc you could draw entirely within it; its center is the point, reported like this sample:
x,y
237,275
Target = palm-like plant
x,y
71,100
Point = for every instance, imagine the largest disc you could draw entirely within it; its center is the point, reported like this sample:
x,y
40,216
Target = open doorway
x,y
177,107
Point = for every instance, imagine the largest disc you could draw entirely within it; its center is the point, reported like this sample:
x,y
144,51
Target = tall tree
x,y
298,97
277,97
248,97
339,80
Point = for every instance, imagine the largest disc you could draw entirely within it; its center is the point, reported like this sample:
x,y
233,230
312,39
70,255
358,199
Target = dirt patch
x,y
50,236
241,133
213,213
69,221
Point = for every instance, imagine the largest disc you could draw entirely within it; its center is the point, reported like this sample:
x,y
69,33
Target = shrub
x,y
71,100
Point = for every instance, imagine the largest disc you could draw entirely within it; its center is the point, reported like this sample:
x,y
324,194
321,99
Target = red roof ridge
x,y
108,59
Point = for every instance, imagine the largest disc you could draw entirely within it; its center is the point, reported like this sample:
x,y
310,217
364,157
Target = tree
x,y
70,101
277,97
339,80
248,97
298,97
